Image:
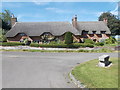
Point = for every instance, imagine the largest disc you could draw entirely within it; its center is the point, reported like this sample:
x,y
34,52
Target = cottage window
x,y
94,32
103,32
84,32
22,34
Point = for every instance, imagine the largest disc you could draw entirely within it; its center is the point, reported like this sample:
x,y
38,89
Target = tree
x,y
68,38
112,21
5,19
5,25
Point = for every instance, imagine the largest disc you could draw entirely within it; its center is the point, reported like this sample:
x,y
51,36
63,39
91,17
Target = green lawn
x,y
97,77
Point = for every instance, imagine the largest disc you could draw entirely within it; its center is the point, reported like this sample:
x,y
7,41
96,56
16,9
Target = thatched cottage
x,y
95,30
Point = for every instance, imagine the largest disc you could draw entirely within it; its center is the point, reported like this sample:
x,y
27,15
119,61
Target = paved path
x,y
41,70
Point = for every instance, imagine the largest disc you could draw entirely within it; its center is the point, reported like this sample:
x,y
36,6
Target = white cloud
x,y
57,10
39,3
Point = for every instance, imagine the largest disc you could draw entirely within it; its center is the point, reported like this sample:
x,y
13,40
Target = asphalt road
x,y
41,70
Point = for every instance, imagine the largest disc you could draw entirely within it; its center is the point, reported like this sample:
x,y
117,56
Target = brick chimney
x,y
105,20
13,19
74,21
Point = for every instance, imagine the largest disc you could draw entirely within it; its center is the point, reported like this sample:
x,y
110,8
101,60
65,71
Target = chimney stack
x,y
74,21
13,19
105,20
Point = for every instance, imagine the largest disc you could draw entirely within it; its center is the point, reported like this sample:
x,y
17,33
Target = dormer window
x,y
22,34
103,32
84,32
94,32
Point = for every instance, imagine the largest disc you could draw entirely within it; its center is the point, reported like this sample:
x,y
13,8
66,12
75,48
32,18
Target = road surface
x,y
41,69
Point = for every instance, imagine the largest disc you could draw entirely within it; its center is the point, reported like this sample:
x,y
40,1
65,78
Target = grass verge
x,y
97,77
86,51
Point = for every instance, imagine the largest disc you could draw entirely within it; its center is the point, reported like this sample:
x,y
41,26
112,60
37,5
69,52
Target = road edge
x,y
76,82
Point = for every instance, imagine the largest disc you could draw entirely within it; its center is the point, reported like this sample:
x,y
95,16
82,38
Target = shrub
x,y
68,38
3,38
83,45
99,43
88,41
11,44
111,40
54,42
76,45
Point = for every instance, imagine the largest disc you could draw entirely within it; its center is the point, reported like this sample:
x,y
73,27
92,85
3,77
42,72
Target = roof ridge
x,y
89,21
46,22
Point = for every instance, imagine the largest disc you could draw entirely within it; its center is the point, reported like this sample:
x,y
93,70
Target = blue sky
x,y
59,11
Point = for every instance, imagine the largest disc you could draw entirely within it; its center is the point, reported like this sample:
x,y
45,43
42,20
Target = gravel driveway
x,y
41,70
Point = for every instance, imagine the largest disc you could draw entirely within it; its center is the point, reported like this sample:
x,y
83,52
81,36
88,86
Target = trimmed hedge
x,y
11,44
99,44
76,45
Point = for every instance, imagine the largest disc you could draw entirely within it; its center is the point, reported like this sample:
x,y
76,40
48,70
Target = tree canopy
x,y
5,20
112,21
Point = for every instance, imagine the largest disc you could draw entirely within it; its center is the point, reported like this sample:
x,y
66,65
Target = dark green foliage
x,y
111,40
76,45
83,45
113,22
99,43
89,41
5,20
11,44
68,38
5,26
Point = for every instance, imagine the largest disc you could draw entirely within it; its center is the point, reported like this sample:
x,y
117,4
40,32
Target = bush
x,y
76,45
11,44
111,40
99,43
3,38
83,45
88,41
53,42
68,38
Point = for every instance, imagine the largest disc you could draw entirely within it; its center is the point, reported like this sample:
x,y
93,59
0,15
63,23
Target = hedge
x,y
76,45
89,41
11,44
99,44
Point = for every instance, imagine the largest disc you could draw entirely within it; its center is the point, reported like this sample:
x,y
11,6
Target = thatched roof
x,y
38,28
97,26
57,28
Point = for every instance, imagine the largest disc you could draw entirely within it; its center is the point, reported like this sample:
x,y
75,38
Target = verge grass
x,y
78,51
97,77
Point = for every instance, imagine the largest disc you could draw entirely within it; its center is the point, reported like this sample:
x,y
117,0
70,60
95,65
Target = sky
x,y
59,11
